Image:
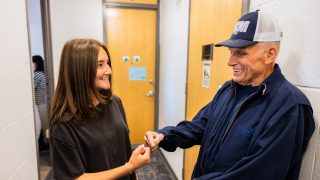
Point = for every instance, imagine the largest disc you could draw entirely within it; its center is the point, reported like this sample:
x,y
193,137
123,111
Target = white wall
x,y
174,19
18,159
35,27
299,61
74,19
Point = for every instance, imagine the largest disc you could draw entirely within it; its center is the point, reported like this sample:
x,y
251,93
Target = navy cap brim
x,y
236,43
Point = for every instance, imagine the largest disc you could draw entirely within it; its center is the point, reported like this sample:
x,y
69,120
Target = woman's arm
x,y
140,156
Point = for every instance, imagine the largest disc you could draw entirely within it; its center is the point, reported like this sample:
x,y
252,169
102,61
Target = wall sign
x,y
206,74
137,73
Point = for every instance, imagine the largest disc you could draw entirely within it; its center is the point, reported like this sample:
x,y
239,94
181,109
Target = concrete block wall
x,y
299,61
18,157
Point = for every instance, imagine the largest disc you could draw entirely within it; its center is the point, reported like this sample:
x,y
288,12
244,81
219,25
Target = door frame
x,y
47,50
105,6
48,64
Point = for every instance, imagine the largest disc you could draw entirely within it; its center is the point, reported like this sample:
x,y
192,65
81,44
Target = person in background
x,y
40,90
89,134
258,125
37,121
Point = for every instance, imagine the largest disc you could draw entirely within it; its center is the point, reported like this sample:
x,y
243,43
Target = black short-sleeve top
x,y
91,146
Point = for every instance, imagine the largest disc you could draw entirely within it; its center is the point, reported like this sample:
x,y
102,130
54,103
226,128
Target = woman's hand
x,y
140,157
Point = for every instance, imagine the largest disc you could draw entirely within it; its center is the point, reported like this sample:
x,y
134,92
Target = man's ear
x,y
271,55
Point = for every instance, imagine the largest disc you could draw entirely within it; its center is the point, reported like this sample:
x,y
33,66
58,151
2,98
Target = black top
x,y
92,146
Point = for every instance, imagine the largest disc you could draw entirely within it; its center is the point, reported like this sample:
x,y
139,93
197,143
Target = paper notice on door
x,y
137,73
206,74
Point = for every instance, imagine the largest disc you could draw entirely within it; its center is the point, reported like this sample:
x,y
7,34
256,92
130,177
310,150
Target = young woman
x,y
89,135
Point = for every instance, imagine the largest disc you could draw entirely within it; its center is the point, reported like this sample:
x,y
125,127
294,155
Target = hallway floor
x,y
44,158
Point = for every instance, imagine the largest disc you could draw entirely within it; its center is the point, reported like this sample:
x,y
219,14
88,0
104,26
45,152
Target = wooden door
x,y
211,21
131,39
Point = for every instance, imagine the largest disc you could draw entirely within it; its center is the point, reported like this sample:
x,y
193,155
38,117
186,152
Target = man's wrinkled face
x,y
250,64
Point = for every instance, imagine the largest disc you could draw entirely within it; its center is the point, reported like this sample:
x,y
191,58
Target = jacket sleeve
x,y
186,133
277,152
189,133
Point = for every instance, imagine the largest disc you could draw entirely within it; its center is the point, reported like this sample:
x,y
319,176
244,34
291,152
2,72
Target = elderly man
x,y
258,125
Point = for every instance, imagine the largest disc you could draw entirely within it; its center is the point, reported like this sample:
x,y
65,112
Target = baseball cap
x,y
252,28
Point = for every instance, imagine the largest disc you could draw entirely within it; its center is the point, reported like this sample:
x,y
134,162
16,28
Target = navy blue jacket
x,y
265,138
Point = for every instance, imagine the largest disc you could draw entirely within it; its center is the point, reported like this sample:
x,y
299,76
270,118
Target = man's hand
x,y
153,139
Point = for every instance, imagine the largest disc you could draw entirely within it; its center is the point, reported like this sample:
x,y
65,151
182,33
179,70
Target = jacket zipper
x,y
226,132
230,125
236,113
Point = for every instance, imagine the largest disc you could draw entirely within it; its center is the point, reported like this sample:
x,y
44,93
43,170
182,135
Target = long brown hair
x,y
73,97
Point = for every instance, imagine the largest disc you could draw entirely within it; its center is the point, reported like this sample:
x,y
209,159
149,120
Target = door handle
x,y
151,81
150,94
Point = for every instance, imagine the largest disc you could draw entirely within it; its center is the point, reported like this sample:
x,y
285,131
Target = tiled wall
x,y
18,159
299,61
